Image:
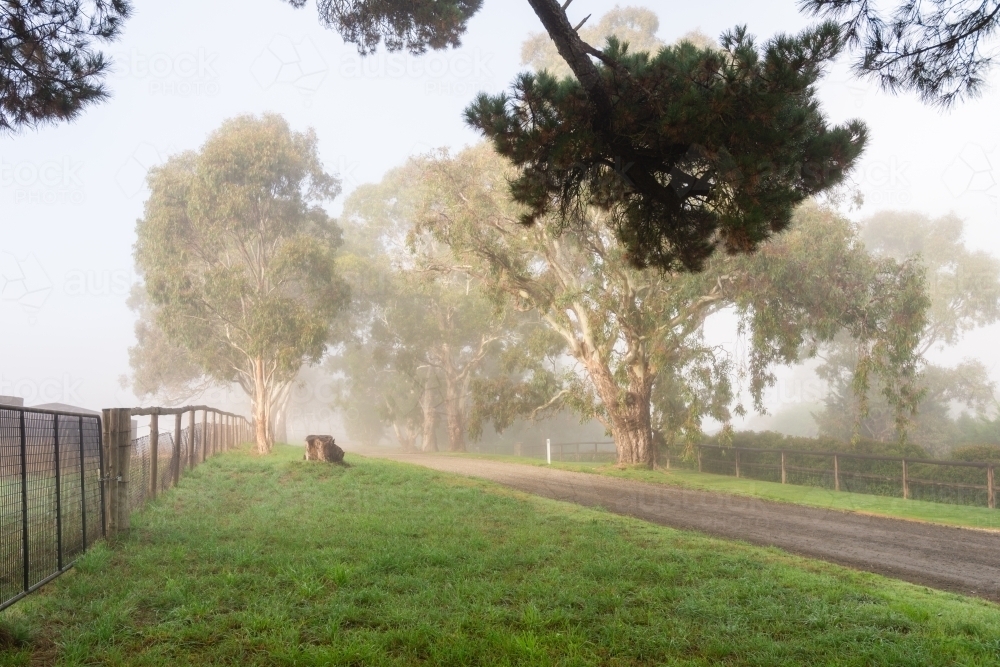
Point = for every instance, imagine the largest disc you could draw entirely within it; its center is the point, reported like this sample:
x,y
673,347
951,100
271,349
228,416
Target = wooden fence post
x,y
154,453
178,448
192,420
991,499
699,459
783,476
906,483
836,473
737,463
204,437
118,453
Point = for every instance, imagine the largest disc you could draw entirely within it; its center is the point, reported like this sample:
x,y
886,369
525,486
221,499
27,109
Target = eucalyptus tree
x,y
238,257
427,329
628,329
963,286
159,366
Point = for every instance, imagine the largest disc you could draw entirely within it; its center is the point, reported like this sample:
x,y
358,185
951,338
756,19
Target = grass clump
x,y
276,561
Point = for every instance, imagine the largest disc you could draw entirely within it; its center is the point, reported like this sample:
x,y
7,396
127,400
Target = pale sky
x,y
70,194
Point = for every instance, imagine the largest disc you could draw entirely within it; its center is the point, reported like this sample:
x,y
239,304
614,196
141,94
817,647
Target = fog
x,y
70,193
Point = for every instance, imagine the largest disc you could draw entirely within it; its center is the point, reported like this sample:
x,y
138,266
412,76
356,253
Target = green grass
x,y
914,510
274,561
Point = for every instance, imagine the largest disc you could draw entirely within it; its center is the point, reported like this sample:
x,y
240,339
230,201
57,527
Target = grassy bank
x,y
915,510
274,561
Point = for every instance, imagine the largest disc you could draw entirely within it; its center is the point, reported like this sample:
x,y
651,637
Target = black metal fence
x,y
51,496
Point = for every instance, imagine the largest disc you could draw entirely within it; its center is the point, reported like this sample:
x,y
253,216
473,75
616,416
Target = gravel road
x,y
956,559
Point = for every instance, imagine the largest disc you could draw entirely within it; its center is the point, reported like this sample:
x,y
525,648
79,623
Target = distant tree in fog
x,y
238,257
963,286
421,336
941,49
160,367
50,68
637,336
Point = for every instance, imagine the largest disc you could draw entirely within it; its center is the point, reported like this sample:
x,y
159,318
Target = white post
x,y
548,451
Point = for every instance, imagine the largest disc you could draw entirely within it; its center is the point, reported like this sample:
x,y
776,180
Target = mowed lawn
x,y
913,510
275,561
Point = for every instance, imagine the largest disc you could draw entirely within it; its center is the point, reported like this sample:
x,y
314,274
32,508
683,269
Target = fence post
x,y
192,435
699,459
154,453
25,545
548,451
990,495
55,443
178,445
836,473
101,474
906,483
783,476
737,463
204,437
118,443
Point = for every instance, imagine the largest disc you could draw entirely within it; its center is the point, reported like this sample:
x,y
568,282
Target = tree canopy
x,y
963,288
627,332
238,257
939,49
50,66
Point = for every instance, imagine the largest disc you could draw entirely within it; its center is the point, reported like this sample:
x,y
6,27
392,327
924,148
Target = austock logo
x,y
285,62
975,171
48,182
23,281
184,74
64,389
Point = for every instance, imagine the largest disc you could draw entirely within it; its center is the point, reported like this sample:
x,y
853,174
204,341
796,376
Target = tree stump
x,y
323,448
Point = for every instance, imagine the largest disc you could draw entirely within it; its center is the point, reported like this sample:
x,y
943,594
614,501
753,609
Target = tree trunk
x,y
453,413
628,416
279,412
406,436
262,409
430,415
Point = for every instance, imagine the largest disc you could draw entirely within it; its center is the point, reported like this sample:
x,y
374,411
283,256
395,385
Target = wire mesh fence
x,y
954,482
172,462
68,479
50,495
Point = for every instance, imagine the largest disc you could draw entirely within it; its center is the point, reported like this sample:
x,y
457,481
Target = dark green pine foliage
x,y
702,149
49,66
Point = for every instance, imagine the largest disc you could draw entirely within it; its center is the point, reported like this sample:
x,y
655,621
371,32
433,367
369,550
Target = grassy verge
x,y
274,561
915,510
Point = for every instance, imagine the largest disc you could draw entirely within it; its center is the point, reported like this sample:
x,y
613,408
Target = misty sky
x,y
70,194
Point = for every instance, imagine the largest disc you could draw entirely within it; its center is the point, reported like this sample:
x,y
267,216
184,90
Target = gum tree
x,y
632,331
238,257
426,334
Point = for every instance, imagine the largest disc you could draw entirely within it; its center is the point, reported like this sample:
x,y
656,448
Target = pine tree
x,y
49,66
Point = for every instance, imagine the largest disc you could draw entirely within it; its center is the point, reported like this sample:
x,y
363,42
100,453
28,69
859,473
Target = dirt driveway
x,y
957,559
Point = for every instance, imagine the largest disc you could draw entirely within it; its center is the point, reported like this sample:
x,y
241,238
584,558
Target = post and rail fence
x,y
955,482
67,479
